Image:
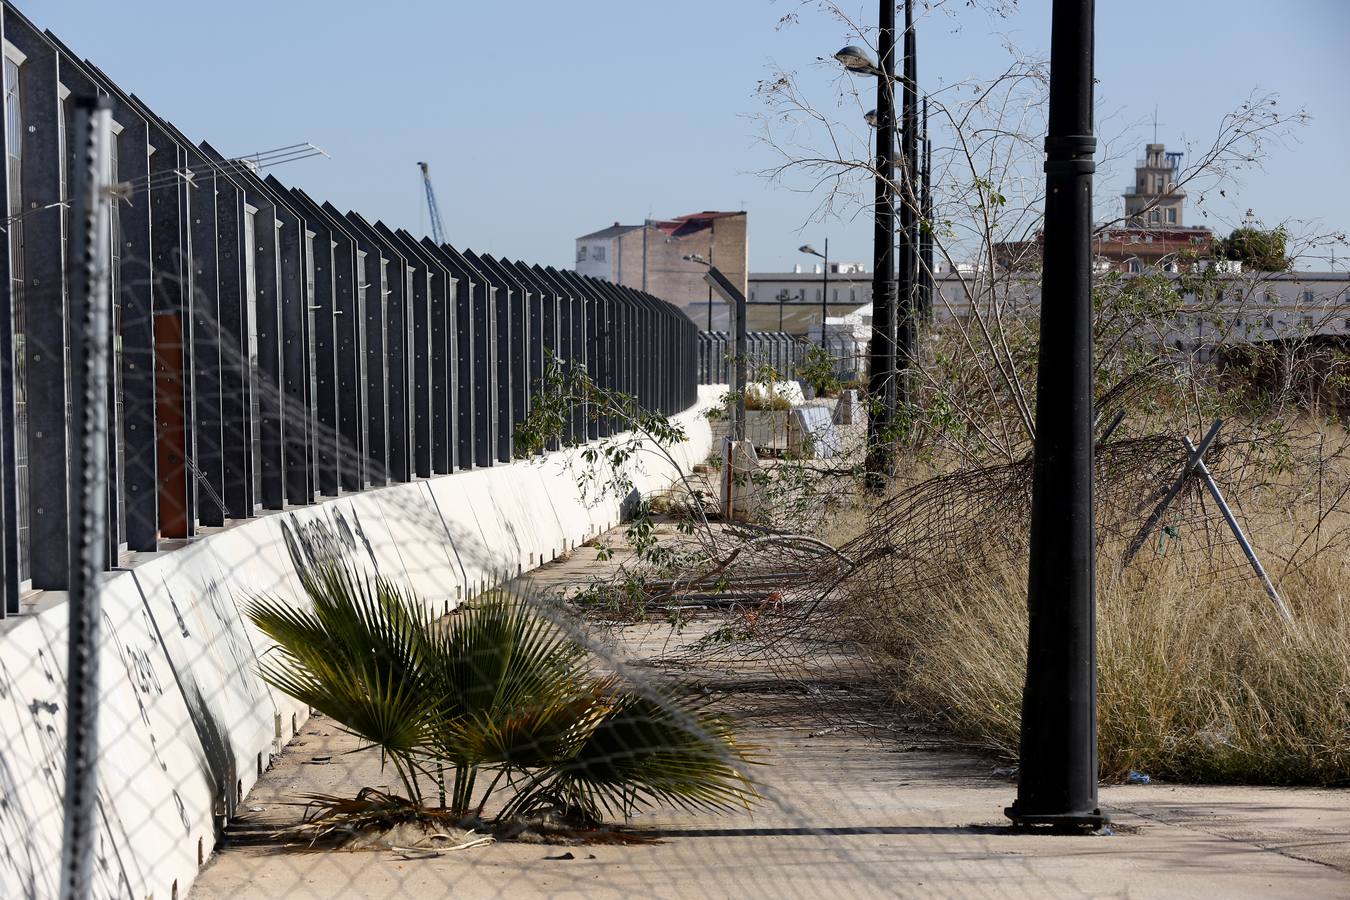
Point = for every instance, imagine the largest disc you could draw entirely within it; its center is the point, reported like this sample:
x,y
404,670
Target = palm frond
x,y
648,750
514,684
499,686
536,735
358,655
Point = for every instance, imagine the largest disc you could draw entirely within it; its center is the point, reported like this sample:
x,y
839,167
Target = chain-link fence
x,y
262,494
291,609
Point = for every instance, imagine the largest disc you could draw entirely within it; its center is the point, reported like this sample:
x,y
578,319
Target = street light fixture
x,y
698,258
898,156
824,286
857,61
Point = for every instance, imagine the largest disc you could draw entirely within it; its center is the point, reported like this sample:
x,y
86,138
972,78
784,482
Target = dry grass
x,y
1197,681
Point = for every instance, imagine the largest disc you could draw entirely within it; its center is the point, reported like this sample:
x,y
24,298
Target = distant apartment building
x,y
650,256
794,298
1239,308
1155,234
1267,306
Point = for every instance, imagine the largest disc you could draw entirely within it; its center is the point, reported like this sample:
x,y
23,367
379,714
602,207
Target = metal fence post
x,y
91,303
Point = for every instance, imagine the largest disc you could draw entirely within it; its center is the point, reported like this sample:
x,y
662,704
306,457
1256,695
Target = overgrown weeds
x,y
1199,680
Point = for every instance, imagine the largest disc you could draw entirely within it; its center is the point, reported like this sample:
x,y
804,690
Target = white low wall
x,y
186,725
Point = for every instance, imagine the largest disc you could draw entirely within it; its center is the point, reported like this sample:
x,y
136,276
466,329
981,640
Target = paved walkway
x,y
882,809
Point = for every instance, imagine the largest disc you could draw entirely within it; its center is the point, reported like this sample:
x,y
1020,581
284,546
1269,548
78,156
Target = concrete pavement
x,y
883,808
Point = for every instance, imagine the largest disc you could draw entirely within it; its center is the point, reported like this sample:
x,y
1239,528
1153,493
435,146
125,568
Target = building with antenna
x,y
1154,198
1153,233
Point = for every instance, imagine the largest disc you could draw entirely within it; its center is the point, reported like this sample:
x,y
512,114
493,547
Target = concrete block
x,y
155,800
814,434
738,487
848,409
197,609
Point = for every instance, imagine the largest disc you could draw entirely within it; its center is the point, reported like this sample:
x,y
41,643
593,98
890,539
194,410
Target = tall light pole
x,y
824,284
712,235
881,386
1057,779
926,216
907,336
736,300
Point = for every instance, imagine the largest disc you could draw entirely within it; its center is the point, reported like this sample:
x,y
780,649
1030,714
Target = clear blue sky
x,y
545,120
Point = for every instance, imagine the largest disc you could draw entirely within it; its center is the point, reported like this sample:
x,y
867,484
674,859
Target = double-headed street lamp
x,y
890,332
824,285
881,382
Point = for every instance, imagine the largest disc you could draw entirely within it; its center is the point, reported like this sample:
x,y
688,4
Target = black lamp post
x,y
733,296
881,386
926,216
1057,783
907,332
824,284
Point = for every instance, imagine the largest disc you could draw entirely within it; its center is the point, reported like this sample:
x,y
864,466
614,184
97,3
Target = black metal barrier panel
x,y
768,352
271,349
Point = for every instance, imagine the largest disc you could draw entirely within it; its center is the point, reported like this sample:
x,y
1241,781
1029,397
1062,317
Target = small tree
x,y
1256,249
818,370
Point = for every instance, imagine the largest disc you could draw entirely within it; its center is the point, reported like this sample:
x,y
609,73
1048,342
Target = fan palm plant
x,y
496,689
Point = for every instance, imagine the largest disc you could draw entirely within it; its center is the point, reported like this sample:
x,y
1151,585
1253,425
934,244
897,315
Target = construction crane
x,y
437,229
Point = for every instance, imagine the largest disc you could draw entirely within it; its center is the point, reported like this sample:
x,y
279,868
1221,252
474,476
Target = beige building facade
x,y
650,257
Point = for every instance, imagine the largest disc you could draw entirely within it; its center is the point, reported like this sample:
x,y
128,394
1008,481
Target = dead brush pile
x,y
1199,678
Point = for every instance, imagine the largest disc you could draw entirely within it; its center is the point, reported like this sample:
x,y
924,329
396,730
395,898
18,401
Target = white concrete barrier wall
x,y
186,725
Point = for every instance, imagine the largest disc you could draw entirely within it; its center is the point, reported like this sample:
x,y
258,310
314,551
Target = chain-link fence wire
x,y
198,755
178,620
200,759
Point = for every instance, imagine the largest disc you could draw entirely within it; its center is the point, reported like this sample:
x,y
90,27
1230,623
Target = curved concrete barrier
x,y
186,726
